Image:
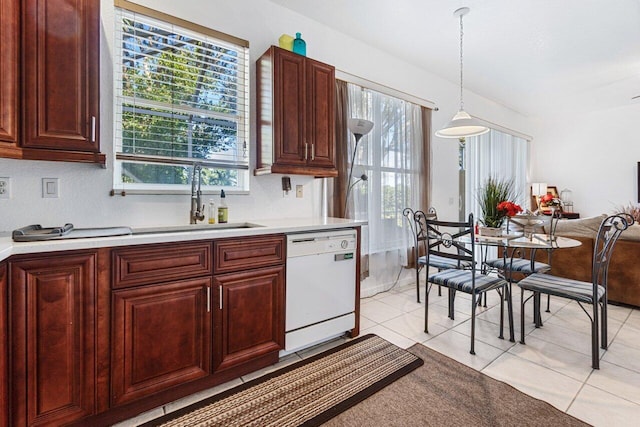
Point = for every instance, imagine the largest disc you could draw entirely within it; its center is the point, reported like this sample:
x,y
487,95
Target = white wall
x,y
84,189
595,155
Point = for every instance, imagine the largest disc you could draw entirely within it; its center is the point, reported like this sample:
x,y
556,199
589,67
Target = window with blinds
x,y
181,98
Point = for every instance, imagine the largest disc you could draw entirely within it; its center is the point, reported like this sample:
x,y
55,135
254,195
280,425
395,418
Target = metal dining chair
x,y
594,292
418,227
455,241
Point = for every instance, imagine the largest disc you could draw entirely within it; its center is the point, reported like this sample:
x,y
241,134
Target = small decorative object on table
x,y
495,203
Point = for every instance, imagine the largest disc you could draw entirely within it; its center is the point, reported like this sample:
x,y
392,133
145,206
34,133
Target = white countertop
x,y
287,225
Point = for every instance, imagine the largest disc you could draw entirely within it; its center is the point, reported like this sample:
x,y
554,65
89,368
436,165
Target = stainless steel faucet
x,y
197,207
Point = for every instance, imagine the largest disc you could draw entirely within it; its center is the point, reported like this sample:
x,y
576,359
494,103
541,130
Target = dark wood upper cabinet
x,y
59,42
296,107
52,312
9,68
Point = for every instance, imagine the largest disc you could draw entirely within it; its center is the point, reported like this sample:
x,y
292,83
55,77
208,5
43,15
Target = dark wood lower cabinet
x,y
89,338
161,337
249,319
52,306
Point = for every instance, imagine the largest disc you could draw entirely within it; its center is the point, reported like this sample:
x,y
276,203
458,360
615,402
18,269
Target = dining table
x,y
520,244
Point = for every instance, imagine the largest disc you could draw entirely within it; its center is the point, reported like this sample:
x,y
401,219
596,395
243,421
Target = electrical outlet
x,y
299,191
5,188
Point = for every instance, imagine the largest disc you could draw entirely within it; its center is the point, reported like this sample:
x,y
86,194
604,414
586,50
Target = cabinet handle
x,y
208,299
306,151
313,151
93,128
220,289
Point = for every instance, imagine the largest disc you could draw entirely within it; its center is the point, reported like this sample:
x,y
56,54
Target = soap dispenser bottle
x,y
299,45
223,210
212,212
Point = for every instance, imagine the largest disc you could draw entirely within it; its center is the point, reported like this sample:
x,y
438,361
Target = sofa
x,y
576,263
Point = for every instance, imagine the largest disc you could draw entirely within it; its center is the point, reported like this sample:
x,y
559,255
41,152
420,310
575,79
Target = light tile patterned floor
x,y
554,365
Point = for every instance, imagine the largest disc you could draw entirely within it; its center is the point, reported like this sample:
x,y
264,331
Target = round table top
x,y
537,241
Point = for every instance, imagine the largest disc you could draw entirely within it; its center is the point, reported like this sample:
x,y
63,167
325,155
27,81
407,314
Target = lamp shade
x,y
462,125
359,126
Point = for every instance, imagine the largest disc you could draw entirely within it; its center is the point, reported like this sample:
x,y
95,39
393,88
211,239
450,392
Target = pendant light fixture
x,y
462,123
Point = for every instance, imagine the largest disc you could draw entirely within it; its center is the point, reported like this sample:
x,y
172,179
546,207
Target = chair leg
x,y
510,312
548,303
595,352
439,290
501,336
604,324
522,301
418,284
474,305
452,303
426,308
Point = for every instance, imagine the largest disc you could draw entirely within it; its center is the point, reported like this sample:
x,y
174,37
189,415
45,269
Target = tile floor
x,y
554,365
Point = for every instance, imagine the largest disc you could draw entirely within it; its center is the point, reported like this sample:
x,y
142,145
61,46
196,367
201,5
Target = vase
x,y
490,231
299,45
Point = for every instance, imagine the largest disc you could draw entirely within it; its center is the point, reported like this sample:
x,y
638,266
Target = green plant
x,y
493,192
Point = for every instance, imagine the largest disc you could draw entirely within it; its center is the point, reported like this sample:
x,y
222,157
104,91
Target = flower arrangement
x,y
549,201
509,208
495,202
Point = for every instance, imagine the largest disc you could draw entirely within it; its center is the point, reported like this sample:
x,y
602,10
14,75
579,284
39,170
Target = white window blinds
x,y
181,97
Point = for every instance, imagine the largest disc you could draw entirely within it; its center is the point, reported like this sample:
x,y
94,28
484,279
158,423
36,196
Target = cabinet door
x,y
161,337
289,107
60,74
53,322
9,25
249,318
320,129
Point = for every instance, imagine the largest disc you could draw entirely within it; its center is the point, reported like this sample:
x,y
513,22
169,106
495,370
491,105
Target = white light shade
x,y
538,189
462,125
359,126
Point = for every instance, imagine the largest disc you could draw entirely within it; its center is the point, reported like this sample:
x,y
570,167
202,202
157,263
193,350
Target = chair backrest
x,y
418,227
451,239
608,233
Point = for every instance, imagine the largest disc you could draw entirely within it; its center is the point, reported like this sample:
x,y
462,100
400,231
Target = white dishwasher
x,y
320,287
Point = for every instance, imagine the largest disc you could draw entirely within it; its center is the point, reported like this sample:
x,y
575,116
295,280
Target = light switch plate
x,y
50,188
299,191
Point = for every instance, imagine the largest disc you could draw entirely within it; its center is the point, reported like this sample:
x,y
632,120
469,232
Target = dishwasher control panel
x,y
317,243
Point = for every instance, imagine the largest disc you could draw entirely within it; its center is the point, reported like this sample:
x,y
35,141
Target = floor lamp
x,y
359,128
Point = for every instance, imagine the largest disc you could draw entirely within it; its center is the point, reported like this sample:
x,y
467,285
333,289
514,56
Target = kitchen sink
x,y
194,228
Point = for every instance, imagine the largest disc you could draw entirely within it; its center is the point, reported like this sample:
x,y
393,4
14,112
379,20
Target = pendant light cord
x,y
461,65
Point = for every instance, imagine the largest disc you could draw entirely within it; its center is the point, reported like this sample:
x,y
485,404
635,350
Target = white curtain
x,y
391,157
500,155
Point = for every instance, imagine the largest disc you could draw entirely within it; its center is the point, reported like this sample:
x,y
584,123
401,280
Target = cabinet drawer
x,y
145,265
250,252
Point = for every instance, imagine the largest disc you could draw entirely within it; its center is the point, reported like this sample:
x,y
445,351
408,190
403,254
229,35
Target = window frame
x,y
241,121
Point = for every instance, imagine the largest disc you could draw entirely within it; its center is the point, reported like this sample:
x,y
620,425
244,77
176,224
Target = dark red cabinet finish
x,y
161,337
53,342
295,108
56,77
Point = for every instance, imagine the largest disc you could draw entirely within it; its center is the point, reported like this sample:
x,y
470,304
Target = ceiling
x,y
533,56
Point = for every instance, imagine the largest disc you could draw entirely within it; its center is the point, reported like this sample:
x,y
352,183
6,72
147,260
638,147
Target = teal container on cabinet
x,y
299,45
